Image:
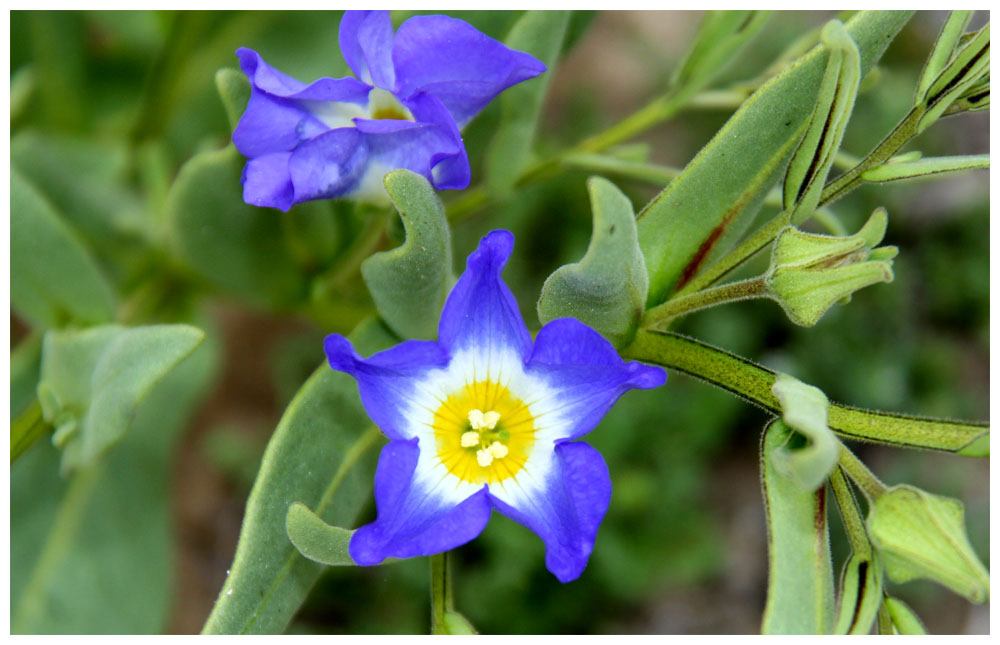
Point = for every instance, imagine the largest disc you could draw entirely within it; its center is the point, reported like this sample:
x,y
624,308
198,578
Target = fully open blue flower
x,y
483,419
413,93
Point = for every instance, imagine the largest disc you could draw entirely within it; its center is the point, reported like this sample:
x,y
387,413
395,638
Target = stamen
x,y
498,450
470,439
480,421
484,457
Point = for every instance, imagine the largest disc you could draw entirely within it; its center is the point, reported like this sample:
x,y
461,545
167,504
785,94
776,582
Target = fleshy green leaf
x,y
804,410
55,279
813,158
410,283
234,90
920,535
322,454
93,554
458,625
702,212
93,380
925,167
540,33
607,288
317,540
800,573
237,247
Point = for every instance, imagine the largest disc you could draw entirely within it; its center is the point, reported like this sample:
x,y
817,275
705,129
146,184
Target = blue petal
x,y
417,146
481,314
328,165
366,43
266,181
567,511
585,373
412,520
450,171
458,64
281,111
387,379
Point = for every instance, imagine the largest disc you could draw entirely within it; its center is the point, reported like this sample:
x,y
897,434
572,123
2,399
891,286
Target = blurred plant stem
x,y
27,428
660,109
441,592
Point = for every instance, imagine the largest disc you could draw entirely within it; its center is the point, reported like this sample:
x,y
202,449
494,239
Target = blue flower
x,y
337,137
483,419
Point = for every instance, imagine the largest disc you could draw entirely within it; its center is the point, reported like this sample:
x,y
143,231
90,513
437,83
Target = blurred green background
x,y
106,106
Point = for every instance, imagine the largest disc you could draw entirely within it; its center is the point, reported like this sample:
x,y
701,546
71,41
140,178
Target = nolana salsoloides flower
x,y
414,92
485,419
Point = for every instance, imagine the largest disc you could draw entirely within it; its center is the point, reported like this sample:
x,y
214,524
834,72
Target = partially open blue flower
x,y
413,93
483,419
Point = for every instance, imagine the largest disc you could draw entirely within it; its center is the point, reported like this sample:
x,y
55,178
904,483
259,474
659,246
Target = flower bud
x,y
920,535
810,272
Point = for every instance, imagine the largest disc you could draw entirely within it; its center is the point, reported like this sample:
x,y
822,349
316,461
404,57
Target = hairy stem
x,y
659,317
866,480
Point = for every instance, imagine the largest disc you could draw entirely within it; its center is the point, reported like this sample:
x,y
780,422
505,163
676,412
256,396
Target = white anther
x,y
484,457
498,450
470,439
480,421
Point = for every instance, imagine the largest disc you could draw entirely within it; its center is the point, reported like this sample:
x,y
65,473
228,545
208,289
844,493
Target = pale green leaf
x,y
410,283
965,70
702,212
800,573
317,540
903,618
804,410
322,454
860,595
541,34
607,288
55,279
93,380
237,247
93,554
234,90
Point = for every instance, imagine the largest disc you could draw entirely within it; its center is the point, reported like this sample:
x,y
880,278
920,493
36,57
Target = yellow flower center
x,y
484,434
383,105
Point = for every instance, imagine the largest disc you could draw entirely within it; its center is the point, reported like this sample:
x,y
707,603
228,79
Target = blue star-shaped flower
x,y
337,137
483,419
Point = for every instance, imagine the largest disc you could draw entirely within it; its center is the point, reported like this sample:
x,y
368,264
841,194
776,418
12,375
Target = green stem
x,y
885,626
366,243
866,480
441,601
849,510
26,429
753,383
659,317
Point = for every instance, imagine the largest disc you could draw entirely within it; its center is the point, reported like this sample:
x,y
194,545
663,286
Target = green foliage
x,y
800,573
321,455
930,166
860,595
58,280
804,411
703,211
92,381
317,540
238,248
606,290
103,537
409,283
903,618
921,535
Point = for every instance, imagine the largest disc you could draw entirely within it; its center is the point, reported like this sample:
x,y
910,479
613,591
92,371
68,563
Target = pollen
x,y
484,457
498,450
470,439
